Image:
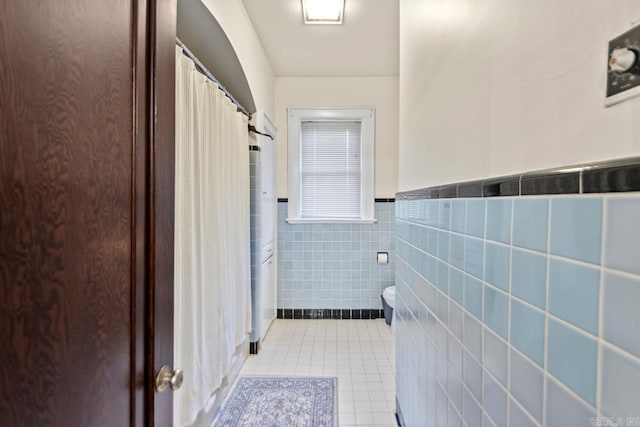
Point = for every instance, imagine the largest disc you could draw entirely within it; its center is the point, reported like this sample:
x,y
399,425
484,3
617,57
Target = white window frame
x,y
366,115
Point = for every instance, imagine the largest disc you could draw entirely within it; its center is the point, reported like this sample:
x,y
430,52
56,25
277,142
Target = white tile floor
x,y
361,353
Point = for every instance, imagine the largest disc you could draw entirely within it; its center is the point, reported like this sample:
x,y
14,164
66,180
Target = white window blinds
x,y
330,169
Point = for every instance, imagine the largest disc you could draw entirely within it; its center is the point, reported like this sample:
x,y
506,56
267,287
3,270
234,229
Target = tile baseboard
x,y
329,313
376,200
399,418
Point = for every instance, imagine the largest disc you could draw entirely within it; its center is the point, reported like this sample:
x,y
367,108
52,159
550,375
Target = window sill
x,y
330,221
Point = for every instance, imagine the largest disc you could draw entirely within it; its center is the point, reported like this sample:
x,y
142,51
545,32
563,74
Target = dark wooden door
x,y
161,195
86,211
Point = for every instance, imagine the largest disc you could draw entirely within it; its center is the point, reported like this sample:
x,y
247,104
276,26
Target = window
x,y
331,170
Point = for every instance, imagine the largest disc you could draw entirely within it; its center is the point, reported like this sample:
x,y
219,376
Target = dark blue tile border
x,y
561,183
380,200
469,189
612,177
602,177
329,313
501,187
446,191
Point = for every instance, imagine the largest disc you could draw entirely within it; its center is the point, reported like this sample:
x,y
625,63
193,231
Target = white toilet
x,y
388,304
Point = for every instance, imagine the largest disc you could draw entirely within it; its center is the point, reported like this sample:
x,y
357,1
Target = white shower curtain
x,y
212,267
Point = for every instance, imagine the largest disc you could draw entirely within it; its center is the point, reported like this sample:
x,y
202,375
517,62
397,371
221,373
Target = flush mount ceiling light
x,y
322,11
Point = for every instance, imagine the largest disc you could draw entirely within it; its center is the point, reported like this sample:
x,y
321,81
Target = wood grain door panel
x,y
162,201
85,182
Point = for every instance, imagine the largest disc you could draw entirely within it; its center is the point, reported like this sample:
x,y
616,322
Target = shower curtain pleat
x,y
212,276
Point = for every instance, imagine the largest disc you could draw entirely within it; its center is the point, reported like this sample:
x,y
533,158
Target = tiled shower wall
x,y
254,200
519,311
333,266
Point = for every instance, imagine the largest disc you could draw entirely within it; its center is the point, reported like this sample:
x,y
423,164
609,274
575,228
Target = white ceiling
x,y
366,44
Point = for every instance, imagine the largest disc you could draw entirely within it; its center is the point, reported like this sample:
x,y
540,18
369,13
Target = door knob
x,y
166,378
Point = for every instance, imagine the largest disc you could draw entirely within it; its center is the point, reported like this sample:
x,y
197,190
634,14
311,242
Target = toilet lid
x,y
389,295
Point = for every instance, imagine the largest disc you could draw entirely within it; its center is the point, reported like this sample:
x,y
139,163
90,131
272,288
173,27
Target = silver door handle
x,y
166,378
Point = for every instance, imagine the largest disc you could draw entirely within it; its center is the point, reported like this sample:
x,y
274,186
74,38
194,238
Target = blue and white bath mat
x,y
281,402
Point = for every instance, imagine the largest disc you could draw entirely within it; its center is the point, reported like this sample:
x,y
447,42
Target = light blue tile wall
x,y
530,223
529,277
334,266
521,312
572,358
621,250
527,330
576,228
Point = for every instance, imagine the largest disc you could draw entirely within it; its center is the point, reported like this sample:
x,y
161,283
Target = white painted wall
x,y
505,86
379,92
234,20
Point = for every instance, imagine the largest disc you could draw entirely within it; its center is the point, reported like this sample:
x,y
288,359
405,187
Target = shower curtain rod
x,y
207,73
